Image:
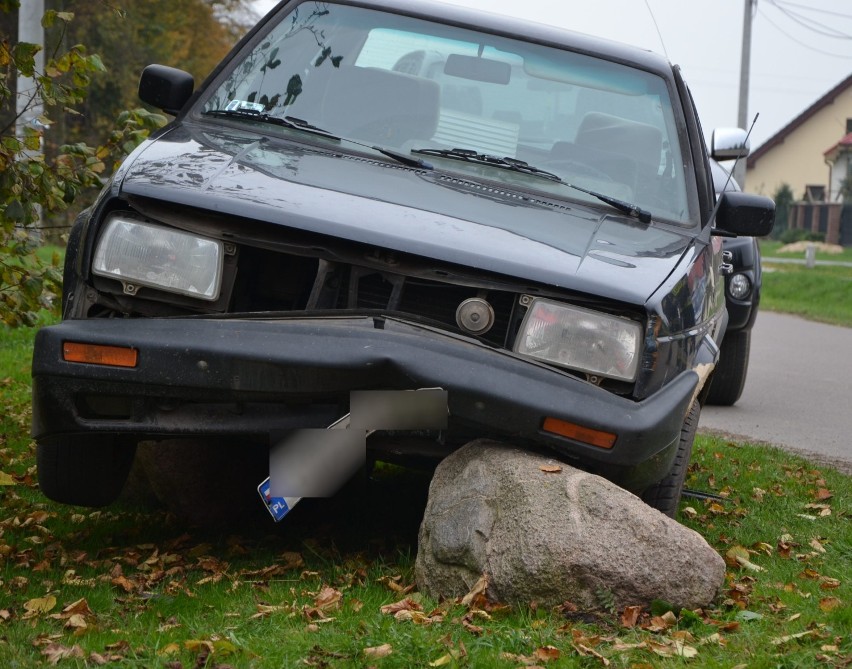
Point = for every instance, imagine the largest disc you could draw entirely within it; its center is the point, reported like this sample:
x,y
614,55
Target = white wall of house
x,y
799,161
840,169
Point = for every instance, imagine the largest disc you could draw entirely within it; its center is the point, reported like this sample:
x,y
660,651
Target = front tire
x,y
665,495
730,375
84,471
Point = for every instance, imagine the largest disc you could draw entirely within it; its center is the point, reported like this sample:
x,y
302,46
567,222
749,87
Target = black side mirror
x,y
165,87
745,214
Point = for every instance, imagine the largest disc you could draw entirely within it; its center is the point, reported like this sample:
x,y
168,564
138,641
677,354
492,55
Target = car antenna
x,y
659,34
731,172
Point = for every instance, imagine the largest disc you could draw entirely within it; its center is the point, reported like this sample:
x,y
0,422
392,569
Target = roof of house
x,y
832,153
801,119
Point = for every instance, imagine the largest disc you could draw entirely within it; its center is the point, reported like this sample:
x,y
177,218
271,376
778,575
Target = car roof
x,y
525,30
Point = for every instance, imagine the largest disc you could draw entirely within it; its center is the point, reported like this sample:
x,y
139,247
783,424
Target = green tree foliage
x,y
783,206
86,98
32,182
193,35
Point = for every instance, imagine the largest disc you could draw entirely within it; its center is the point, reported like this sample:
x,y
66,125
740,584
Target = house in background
x,y
812,155
796,154
839,160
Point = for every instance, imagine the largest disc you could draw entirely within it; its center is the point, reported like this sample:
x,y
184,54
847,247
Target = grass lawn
x,y
133,587
770,249
823,293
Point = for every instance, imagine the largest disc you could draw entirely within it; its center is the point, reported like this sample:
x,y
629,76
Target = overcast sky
x,y
800,50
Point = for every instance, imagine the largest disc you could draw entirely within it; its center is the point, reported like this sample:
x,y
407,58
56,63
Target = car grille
x,y
428,300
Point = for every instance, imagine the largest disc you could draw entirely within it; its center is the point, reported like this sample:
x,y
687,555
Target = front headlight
x,y
581,339
138,253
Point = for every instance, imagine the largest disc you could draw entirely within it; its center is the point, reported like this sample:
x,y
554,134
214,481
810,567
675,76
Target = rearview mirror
x,y
478,69
745,214
165,88
729,143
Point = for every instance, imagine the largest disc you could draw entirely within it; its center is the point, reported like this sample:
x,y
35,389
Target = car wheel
x,y
86,471
730,374
665,495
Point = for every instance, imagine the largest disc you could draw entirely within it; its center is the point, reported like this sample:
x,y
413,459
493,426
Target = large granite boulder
x,y
548,533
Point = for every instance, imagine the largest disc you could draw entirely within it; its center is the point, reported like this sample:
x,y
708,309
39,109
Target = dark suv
x,y
742,298
384,196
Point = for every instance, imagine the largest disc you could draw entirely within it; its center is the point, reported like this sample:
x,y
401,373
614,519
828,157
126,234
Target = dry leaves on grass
x,y
374,652
328,599
393,583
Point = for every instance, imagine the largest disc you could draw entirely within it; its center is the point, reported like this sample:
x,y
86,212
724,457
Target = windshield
x,y
410,84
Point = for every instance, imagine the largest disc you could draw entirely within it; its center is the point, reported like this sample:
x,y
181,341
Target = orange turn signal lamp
x,y
98,354
579,433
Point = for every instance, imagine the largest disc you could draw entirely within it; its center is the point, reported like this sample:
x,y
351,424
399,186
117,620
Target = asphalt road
x,y
798,391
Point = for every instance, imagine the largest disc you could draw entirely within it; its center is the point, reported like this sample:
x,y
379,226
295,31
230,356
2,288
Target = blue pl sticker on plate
x,y
277,506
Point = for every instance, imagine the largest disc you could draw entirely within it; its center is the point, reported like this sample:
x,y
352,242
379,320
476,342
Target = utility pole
x,y
28,105
745,66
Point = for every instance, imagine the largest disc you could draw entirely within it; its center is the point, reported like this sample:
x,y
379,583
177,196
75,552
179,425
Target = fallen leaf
x,y
661,623
393,585
38,605
76,622
684,650
738,555
817,546
829,604
454,654
195,645
546,653
823,494
526,660
777,641
478,589
6,479
441,661
630,616
266,610
124,583
55,652
550,469
328,599
476,630
169,649
378,651
406,604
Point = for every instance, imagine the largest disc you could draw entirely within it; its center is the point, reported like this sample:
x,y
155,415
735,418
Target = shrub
x,y
798,235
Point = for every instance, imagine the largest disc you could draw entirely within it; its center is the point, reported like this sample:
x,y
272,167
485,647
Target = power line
x,y
799,42
810,9
815,26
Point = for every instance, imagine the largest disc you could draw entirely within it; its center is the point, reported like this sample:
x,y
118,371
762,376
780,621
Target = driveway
x,y
798,392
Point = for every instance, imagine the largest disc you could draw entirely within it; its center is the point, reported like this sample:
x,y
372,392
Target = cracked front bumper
x,y
249,377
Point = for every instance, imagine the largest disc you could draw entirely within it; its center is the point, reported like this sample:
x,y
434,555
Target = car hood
x,y
445,216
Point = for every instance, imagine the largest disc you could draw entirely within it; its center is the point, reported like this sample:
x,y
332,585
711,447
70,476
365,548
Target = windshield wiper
x,y
284,121
470,156
643,215
300,124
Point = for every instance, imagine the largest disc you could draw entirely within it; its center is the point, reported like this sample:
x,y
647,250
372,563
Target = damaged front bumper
x,y
250,377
